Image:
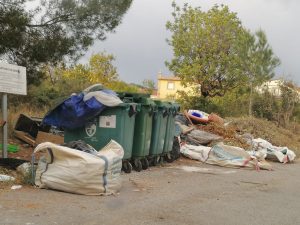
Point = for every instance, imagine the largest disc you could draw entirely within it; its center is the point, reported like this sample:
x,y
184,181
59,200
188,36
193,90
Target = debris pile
x,y
204,141
11,173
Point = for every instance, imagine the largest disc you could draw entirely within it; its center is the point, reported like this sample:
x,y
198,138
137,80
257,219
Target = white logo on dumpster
x,y
90,129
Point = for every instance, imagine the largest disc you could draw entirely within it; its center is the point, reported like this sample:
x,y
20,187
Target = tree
x,y
205,48
55,31
258,61
212,49
99,70
64,80
149,85
289,100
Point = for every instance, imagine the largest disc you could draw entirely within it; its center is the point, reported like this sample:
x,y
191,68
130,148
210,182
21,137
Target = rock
x,y
6,178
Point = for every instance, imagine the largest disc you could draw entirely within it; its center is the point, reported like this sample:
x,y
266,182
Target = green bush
x,y
266,106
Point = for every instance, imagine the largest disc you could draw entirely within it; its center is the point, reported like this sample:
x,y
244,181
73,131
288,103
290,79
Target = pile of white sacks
x,y
220,154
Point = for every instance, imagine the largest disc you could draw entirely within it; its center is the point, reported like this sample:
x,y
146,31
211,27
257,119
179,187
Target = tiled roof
x,y
168,78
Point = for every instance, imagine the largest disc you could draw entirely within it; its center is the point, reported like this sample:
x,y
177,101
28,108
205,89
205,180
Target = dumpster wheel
x,y
145,163
155,160
127,167
137,165
168,157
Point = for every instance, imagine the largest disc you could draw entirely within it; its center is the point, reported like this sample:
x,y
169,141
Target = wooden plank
x,y
24,137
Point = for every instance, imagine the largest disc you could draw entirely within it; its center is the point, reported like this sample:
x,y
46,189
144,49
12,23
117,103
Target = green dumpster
x,y
142,129
159,125
170,131
115,123
142,133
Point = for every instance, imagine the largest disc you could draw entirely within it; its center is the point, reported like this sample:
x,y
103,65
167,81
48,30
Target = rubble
x,y
204,142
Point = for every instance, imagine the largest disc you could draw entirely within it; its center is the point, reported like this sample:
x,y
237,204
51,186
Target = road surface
x,y
184,192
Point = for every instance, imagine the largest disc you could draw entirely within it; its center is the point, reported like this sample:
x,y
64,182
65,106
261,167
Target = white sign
x,y
13,79
107,121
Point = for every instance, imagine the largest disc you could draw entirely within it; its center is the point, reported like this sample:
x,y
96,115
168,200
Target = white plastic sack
x,y
199,152
224,155
280,154
74,171
201,137
104,98
5,178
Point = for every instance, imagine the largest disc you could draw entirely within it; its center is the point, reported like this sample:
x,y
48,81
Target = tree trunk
x,y
250,100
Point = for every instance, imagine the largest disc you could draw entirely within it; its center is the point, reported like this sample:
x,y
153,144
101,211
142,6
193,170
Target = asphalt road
x,y
184,192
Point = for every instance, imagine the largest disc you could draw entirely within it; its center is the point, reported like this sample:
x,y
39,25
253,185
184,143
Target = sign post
x,y
4,127
12,81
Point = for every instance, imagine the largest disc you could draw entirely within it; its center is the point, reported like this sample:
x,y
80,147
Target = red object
x,y
2,123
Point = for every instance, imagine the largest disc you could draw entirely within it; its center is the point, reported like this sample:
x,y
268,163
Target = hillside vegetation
x,y
268,130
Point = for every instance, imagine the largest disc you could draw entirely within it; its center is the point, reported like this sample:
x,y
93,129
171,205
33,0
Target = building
x,y
168,86
272,86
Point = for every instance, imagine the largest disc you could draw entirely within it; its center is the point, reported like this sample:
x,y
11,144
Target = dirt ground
x,y
184,192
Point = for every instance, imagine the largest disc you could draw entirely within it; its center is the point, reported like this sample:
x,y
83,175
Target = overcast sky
x,y
139,43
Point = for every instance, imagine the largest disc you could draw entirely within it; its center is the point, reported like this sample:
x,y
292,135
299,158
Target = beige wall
x,y
169,87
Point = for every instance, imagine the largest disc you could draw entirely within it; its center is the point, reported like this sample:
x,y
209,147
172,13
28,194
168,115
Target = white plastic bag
x,y
224,155
272,152
74,171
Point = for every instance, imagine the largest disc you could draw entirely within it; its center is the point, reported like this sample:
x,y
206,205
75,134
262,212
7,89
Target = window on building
x,y
171,86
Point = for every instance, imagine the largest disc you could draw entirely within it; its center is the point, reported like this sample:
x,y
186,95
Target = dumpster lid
x,y
141,98
145,101
132,95
174,107
162,105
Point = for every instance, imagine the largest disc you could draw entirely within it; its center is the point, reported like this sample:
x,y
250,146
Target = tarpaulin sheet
x,y
78,109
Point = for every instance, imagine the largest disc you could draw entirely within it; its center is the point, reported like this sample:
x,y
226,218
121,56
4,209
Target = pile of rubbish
x,y
14,172
207,147
84,166
74,167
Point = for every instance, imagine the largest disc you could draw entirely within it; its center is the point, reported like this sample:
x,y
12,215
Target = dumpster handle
x,y
151,110
174,112
132,111
165,113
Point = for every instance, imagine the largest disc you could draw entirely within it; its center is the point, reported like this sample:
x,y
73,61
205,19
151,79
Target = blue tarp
x,y
74,112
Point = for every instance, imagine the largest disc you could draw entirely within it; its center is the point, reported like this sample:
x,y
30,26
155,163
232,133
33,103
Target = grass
x,y
14,112
260,128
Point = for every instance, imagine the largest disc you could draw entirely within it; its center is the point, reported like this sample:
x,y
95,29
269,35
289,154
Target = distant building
x,y
272,86
167,87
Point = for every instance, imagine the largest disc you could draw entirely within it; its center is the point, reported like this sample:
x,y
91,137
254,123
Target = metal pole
x,y
4,115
